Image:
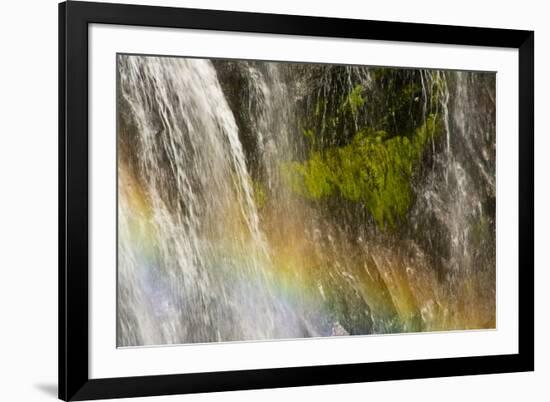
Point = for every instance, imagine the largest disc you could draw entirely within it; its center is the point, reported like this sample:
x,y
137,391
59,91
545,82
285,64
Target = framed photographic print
x,y
257,200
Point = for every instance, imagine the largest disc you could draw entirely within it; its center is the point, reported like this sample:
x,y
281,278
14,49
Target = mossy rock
x,y
375,169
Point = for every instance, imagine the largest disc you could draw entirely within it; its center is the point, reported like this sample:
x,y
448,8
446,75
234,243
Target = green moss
x,y
355,100
311,137
480,230
259,193
319,107
373,169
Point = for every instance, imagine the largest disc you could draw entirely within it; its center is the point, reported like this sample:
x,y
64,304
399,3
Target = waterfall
x,y
460,191
187,157
213,245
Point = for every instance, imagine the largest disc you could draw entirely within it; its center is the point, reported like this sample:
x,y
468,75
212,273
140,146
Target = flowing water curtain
x,y
455,209
196,265
451,217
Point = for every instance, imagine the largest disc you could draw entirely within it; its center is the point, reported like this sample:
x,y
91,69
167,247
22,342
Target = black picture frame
x,y
74,381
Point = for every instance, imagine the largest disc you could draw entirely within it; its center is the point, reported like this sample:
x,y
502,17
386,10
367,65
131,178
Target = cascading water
x,y
197,270
214,245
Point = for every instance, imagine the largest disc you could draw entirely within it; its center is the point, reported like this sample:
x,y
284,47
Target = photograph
x,y
271,200
213,201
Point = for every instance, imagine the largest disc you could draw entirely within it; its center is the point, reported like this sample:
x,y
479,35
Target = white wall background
x,y
28,198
